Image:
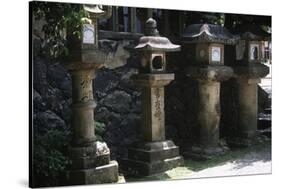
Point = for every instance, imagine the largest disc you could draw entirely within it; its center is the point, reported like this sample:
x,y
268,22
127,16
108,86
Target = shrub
x,y
50,156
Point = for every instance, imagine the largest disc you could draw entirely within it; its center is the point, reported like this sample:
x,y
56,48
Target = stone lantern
x,y
207,42
90,159
248,70
153,154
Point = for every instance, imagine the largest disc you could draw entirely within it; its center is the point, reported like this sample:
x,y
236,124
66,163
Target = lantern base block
x,y
98,175
145,159
87,157
91,165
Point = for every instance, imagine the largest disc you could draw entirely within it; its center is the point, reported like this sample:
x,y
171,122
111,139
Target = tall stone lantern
x,y
248,70
154,154
206,42
90,159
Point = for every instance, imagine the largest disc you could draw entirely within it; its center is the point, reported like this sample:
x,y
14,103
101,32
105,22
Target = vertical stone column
x,y
209,113
249,75
209,80
248,107
133,20
247,112
115,19
83,106
153,115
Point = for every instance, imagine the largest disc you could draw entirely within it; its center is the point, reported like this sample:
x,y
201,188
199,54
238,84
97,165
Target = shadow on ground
x,y
240,158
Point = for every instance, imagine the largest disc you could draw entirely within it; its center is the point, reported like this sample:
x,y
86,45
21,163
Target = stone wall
x,y
118,101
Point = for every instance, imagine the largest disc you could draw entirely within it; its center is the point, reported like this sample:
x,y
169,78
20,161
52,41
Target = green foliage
x,y
236,22
50,156
204,17
99,130
58,17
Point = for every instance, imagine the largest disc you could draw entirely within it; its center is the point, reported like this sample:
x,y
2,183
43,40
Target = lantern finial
x,y
151,27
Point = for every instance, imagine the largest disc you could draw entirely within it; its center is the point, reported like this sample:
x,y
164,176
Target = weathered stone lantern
x,y
248,70
207,42
154,154
90,159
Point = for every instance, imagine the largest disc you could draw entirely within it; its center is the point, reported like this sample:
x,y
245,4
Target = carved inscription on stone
x,y
86,90
157,102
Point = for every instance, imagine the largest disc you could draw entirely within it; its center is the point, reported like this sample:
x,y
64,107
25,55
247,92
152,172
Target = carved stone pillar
x,y
209,112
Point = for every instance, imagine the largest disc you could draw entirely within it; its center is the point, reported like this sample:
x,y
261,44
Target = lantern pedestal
x,y
96,175
248,78
153,154
149,158
209,78
90,159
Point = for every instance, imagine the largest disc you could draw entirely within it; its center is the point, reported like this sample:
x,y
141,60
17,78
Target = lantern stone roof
x,y
207,33
151,41
96,11
251,70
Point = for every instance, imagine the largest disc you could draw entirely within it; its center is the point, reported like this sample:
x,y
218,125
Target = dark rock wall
x,y
51,95
118,107
181,98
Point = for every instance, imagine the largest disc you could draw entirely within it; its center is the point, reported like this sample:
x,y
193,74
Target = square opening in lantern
x,y
216,54
254,51
88,34
157,63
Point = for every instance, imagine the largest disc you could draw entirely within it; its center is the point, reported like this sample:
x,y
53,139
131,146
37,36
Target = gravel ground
x,y
254,162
